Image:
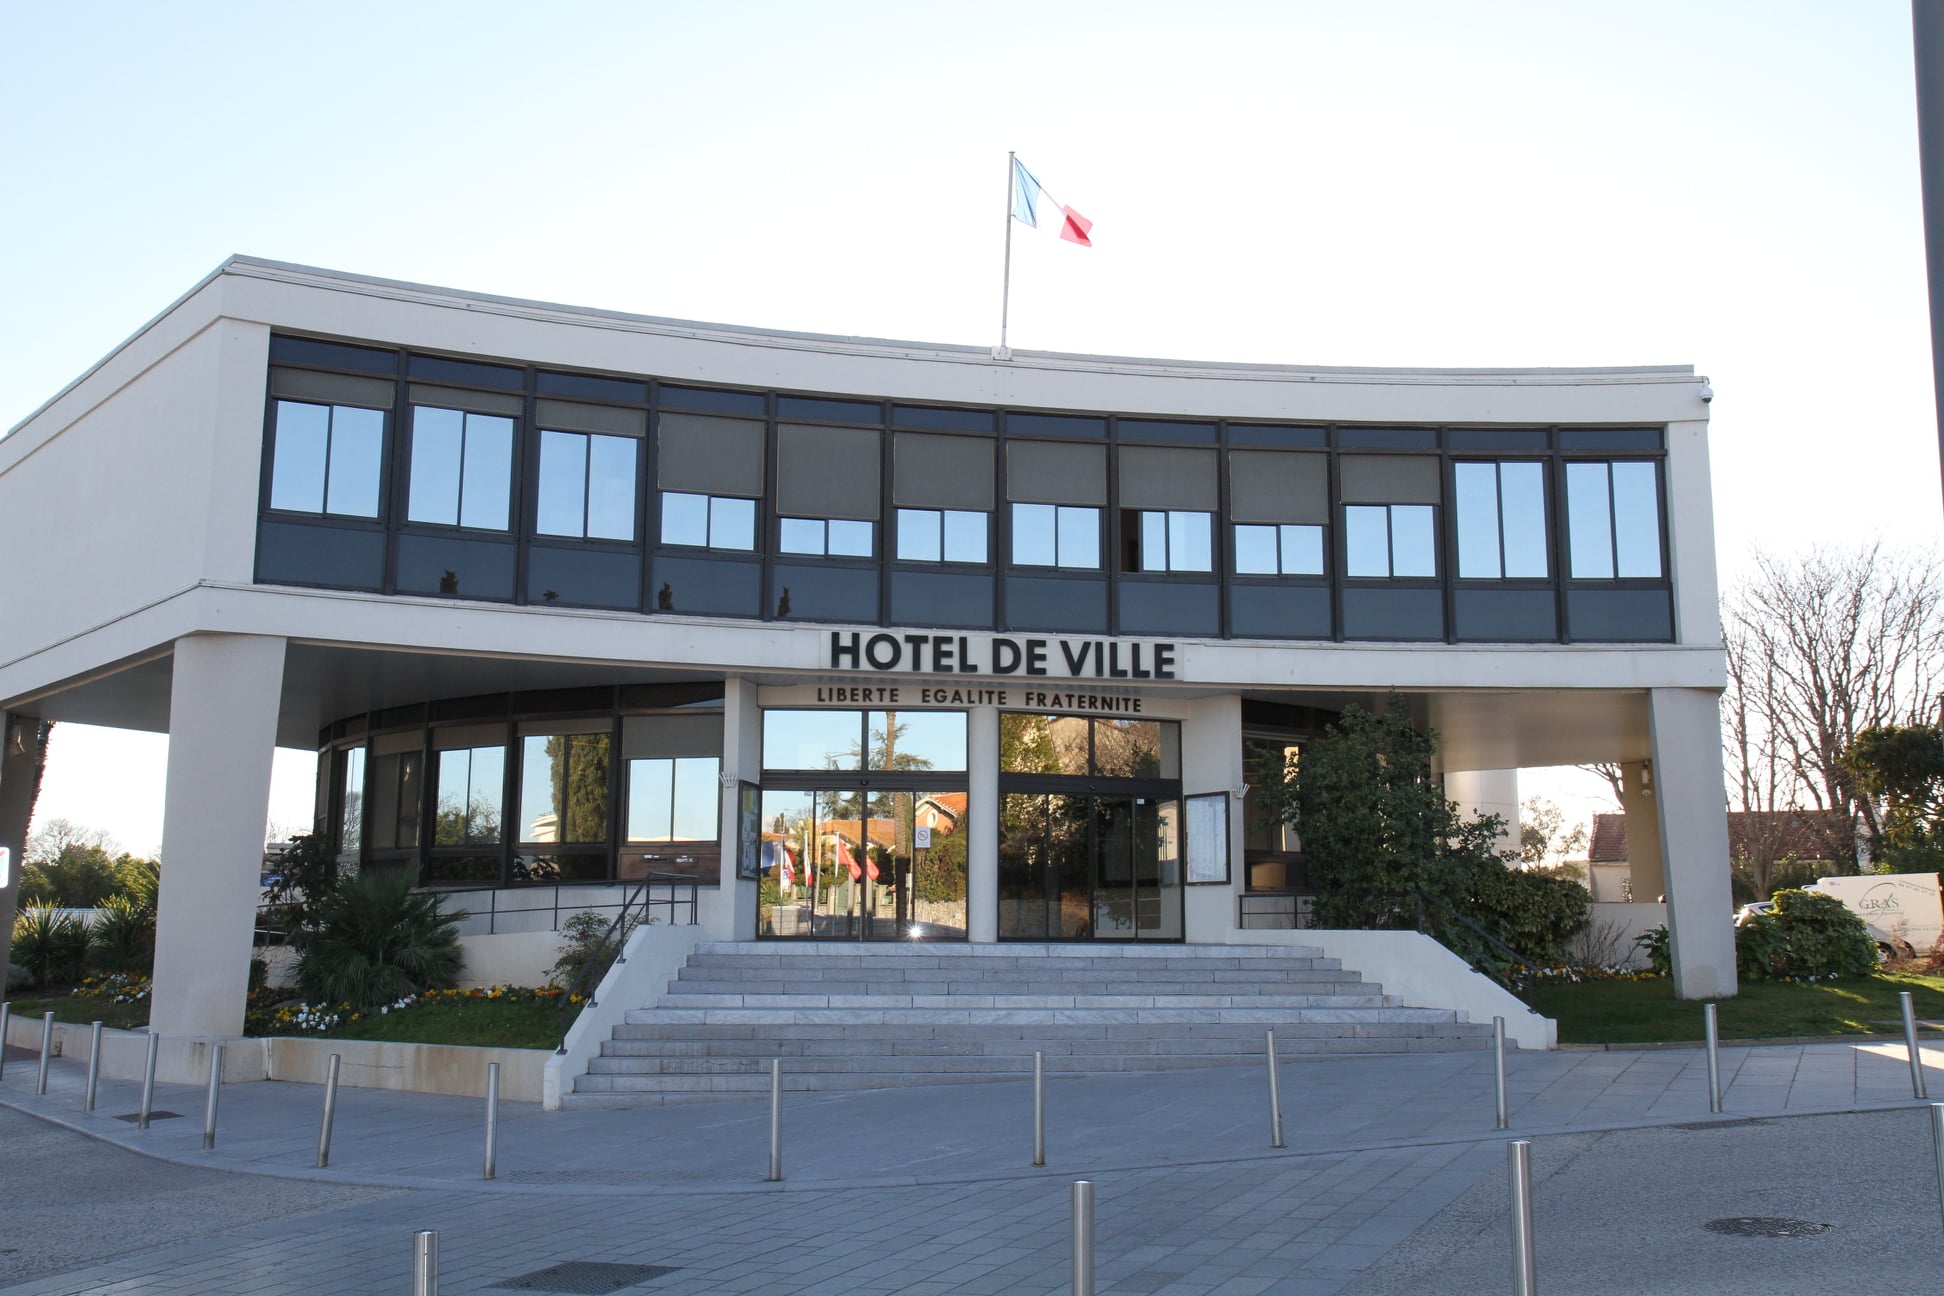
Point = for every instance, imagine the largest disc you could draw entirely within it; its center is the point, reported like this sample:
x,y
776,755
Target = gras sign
x,y
1902,905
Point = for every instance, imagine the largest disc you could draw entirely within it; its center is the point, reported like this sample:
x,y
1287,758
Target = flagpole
x,y
1005,292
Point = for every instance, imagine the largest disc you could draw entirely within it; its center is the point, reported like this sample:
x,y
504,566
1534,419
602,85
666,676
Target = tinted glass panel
x,y
332,355
1522,506
1154,541
1188,542
607,389
1302,550
1055,425
1033,537
563,482
611,487
1249,434
564,787
1414,541
917,740
732,523
1146,430
297,469
673,799
698,797
812,740
965,536
1366,540
800,535
1636,520
438,436
1039,744
919,535
1369,438
684,518
1079,530
1629,440
828,411
465,373
1590,521
919,416
713,402
357,459
1496,438
1476,489
1255,550
850,538
486,481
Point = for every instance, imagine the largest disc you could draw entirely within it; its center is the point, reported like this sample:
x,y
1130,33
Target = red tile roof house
x,y
1760,844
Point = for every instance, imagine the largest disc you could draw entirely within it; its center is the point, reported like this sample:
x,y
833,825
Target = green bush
x,y
52,946
1533,913
1658,945
1807,935
373,940
582,945
123,936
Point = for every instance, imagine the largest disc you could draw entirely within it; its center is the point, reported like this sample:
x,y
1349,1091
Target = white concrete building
x,y
881,640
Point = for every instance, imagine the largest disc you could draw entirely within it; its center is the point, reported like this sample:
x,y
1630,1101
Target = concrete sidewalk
x,y
929,1189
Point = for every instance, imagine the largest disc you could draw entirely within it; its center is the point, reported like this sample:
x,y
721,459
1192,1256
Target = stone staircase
x,y
857,1016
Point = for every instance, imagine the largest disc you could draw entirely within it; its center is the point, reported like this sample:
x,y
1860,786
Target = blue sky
x,y
1732,185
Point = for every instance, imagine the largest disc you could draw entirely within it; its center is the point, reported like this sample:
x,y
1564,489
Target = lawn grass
x,y
82,1009
482,1023
1646,1012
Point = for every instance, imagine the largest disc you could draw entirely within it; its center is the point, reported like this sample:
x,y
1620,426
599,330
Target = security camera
x,y
1707,392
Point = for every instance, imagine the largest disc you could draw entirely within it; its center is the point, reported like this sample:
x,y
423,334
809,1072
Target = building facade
x,y
877,640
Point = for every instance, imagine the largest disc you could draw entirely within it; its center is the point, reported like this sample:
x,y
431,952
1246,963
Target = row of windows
x,y
326,460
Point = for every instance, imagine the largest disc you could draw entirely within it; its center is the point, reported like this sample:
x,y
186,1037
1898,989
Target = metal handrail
x,y
596,963
1510,957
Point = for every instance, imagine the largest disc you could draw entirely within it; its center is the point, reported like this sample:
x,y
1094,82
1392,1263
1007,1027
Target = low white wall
x,y
1423,973
649,961
1626,922
512,958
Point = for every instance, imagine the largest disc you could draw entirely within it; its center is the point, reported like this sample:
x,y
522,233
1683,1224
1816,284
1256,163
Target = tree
x,y
1540,840
1900,772
59,836
1822,647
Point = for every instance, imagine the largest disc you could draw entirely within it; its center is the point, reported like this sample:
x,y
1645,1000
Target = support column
x,y
1487,792
1686,728
982,813
1211,761
21,739
223,705
1646,870
742,757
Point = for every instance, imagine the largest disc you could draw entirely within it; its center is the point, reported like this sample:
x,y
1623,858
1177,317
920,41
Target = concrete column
x,y
1211,761
223,704
742,756
1487,792
1646,872
20,745
982,814
1686,727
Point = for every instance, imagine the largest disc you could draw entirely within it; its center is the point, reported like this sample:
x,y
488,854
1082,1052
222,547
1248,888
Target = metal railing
x,y
1282,910
608,950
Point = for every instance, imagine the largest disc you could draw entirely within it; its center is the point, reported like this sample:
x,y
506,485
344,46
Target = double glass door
x,y
1093,864
862,864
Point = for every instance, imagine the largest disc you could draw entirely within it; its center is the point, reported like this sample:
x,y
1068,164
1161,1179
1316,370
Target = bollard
x,y
425,1263
492,1120
1525,1260
1910,1047
1083,1238
6,1015
1039,1108
148,1082
1275,1096
94,1065
330,1112
1937,1148
1714,1057
47,1052
209,1100
1498,1054
776,1121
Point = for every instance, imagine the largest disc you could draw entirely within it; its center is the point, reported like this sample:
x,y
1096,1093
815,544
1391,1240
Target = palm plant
x,y
123,936
372,939
50,944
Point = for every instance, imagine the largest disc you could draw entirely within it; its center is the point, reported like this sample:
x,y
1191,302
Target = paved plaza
x,y
1392,1180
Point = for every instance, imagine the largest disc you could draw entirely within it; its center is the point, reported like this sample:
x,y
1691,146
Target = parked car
x,y
1888,946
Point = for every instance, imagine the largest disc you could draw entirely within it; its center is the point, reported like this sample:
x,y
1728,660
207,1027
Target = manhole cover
x,y
133,1117
1767,1226
593,1277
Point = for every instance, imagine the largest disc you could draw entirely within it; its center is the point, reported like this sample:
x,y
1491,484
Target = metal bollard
x,y
1525,1259
425,1263
47,1052
1498,1055
209,1099
1039,1108
1275,1096
1937,1148
1910,1047
94,1065
1083,1238
330,1111
148,1082
776,1120
6,1015
1714,1057
492,1120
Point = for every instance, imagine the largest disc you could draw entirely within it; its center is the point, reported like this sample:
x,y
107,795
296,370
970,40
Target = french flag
x,y
1030,199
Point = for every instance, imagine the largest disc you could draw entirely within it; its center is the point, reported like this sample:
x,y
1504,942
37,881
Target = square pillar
x,y
21,740
1487,792
1646,874
742,761
223,704
1693,814
982,814
1211,761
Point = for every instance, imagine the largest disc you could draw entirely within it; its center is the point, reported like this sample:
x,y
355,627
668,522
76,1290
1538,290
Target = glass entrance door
x,y
1080,866
862,864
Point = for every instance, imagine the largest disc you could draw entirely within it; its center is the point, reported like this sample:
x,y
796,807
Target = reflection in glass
x,y
1522,503
297,467
357,459
862,865
673,799
1302,550
485,482
1189,545
1414,541
462,468
1589,521
1255,550
1079,530
919,535
684,518
800,535
471,792
351,788
1137,749
813,740
458,870
1476,487
611,487
438,436
850,538
1366,540
563,484
965,536
1040,744
1501,520
564,788
732,523
1636,520
917,740
1154,541
395,781
1033,535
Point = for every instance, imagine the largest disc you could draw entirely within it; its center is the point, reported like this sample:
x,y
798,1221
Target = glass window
x,y
1288,549
1501,520
471,794
1390,540
708,521
1169,540
941,535
674,798
351,788
812,740
396,777
564,787
587,486
1613,520
462,468
917,740
837,537
1056,535
1061,744
327,459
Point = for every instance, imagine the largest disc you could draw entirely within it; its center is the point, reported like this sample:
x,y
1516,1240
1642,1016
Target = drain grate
x,y
1767,1226
132,1117
593,1277
1740,1122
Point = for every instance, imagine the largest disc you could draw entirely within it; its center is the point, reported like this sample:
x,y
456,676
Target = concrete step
x,y
824,950
895,980
1132,1017
840,1036
1021,1046
954,1002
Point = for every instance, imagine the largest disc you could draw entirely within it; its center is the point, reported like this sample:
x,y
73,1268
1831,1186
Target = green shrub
x,y
1533,913
52,946
1807,935
582,945
1658,946
123,936
373,940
